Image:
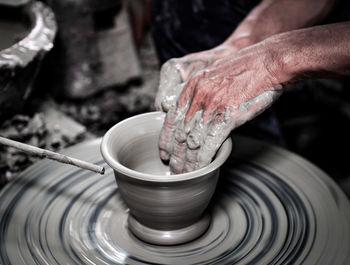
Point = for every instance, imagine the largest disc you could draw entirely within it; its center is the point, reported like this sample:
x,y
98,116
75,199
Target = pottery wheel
x,y
271,207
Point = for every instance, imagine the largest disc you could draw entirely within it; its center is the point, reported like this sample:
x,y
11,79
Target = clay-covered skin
x,y
208,94
177,71
173,78
206,102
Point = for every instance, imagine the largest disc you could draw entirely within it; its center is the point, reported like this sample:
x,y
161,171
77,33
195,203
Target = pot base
x,y
169,237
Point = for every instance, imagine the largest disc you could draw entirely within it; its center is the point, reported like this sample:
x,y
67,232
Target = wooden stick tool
x,y
51,155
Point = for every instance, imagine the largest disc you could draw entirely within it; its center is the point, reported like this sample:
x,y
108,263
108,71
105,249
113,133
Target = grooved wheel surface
x,y
270,207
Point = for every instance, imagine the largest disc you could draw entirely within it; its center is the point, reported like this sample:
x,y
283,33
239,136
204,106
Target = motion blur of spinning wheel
x,y
270,207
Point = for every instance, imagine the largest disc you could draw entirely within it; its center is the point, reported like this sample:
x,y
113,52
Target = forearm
x,y
316,52
276,16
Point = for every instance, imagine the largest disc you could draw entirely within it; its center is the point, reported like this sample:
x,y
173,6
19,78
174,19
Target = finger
x,y
173,74
255,106
192,123
168,84
178,154
173,87
177,151
170,100
184,155
167,134
185,70
186,95
172,120
191,160
218,130
196,131
198,99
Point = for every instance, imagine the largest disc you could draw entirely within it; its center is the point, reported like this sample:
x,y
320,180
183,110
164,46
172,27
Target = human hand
x,y
175,73
212,100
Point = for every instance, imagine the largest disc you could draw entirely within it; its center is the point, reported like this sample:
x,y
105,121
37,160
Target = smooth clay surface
x,y
11,32
166,209
21,52
39,38
271,207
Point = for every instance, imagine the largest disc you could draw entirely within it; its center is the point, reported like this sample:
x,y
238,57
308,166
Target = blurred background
x,y
70,69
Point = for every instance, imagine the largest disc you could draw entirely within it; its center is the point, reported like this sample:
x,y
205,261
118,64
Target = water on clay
x,y
11,32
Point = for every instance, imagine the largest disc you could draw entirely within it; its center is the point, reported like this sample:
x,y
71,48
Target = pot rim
x,y
221,156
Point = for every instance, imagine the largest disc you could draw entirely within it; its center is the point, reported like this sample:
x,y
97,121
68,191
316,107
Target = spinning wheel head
x,y
270,207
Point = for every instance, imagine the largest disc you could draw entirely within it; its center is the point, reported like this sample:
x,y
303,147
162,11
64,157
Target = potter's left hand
x,y
214,101
175,73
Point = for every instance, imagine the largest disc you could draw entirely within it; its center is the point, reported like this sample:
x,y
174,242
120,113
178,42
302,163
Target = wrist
x,y
288,56
316,52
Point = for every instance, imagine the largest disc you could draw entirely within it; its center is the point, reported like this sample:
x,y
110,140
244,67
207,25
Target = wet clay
x,y
171,86
22,42
193,145
11,32
208,136
38,40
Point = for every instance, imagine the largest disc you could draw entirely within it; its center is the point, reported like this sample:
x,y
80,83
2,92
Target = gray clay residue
x,y
11,32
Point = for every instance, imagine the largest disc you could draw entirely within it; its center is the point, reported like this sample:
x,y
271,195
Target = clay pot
x,y
26,34
164,209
